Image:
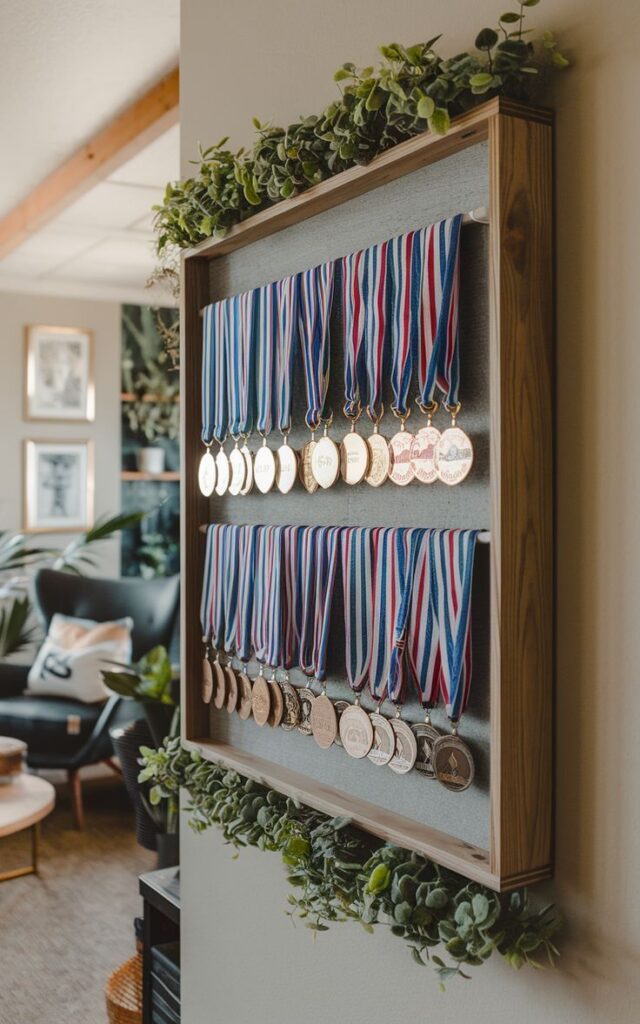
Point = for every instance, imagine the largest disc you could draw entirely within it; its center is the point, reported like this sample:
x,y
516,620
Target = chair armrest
x,y
13,679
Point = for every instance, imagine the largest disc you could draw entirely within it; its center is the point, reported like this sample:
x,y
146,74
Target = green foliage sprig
x,y
413,89
339,873
149,679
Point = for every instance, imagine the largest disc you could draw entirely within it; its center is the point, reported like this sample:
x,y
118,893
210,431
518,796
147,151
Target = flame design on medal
x,y
453,763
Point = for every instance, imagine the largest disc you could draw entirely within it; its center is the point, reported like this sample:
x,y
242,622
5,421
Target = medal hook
x,y
429,409
222,442
264,438
351,415
453,411
327,421
375,418
402,416
236,439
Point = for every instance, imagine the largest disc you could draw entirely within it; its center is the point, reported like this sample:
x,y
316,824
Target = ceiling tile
x,y
47,249
157,164
109,205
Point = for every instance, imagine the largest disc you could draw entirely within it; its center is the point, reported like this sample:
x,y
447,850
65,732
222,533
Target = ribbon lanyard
x,y
315,297
388,563
265,335
231,565
260,592
327,539
353,320
438,356
409,544
423,646
248,303
216,595
357,583
273,609
209,580
208,379
452,554
246,582
307,563
404,259
375,325
292,604
219,364
286,308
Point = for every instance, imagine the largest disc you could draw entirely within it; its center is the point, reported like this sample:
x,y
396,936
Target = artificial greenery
x,y
412,90
339,873
149,679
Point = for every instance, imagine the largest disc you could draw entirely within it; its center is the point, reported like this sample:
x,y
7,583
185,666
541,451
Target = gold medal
x,y
261,699
219,685
277,702
244,696
454,452
383,747
238,468
245,451
306,696
356,731
232,689
339,706
426,735
207,681
379,459
291,712
406,748
324,725
325,461
423,454
354,457
264,468
287,467
453,763
401,471
207,474
223,473
307,478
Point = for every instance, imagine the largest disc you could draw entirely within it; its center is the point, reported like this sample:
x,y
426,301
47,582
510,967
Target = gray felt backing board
x,y
456,184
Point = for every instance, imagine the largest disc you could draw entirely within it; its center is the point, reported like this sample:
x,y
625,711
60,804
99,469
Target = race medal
x,y
264,469
354,458
207,474
261,700
306,698
277,703
305,472
426,736
406,750
325,462
384,740
401,471
454,456
245,451
238,468
339,706
324,724
207,681
220,685
232,689
291,711
423,454
244,696
379,460
453,763
356,731
222,472
287,467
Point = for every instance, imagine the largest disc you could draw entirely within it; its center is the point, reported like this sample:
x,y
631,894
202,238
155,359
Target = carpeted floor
x,y
61,934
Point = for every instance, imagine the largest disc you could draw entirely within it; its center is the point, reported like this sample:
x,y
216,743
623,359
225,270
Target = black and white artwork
x,y
59,374
58,486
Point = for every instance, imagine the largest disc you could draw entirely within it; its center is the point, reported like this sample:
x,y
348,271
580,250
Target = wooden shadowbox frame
x,y
520,147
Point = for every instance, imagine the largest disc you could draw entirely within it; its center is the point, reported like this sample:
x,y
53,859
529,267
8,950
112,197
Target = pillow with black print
x,y
69,662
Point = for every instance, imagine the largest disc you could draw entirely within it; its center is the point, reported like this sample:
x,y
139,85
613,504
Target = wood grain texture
x,y
520,154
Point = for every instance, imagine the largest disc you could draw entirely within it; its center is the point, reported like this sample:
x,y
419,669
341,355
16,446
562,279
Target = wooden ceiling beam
x,y
127,134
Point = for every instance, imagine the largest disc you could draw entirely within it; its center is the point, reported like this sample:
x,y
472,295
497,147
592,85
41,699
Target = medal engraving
x,y
287,468
454,456
245,451
219,685
356,731
426,736
401,472
453,763
423,454
232,689
222,473
306,698
238,472
244,696
264,469
379,461
277,704
339,706
406,748
207,681
261,700
207,474
305,471
324,725
291,712
384,740
354,458
325,462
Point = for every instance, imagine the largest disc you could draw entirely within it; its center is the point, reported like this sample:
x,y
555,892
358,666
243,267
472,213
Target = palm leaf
x,y
15,634
75,555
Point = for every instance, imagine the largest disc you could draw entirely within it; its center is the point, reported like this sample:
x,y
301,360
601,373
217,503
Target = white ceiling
x,y
74,65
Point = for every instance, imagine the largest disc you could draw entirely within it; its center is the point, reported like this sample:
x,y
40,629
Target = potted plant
x,y
152,682
153,413
161,798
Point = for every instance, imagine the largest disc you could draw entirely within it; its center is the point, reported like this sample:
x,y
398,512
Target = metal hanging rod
x,y
483,538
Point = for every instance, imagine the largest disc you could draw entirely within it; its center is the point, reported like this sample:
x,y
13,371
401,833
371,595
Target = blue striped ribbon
x,y
327,540
375,296
438,356
265,334
357,584
287,296
315,298
404,260
246,582
452,555
408,545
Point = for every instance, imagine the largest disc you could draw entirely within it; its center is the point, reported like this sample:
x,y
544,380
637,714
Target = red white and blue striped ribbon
x,y
246,581
327,543
259,639
287,298
374,283
423,639
266,335
357,584
409,544
452,554
438,355
315,299
292,606
273,655
404,260
353,317
214,387
307,561
388,563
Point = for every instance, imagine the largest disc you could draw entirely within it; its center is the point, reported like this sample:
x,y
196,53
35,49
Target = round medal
x,y
356,731
354,458
261,700
245,451
384,740
277,703
325,462
379,460
222,473
264,469
406,748
219,685
207,474
306,698
426,736
291,712
423,454
324,724
287,468
401,472
339,706
232,689
305,472
238,471
207,681
453,763
244,696
454,456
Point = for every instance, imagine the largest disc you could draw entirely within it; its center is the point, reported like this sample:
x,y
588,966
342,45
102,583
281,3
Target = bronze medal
x,y
306,697
219,685
277,703
325,462
454,456
238,468
354,458
356,731
401,472
207,474
426,736
223,473
232,689
423,454
339,706
244,696
291,712
384,740
264,469
287,467
453,763
324,724
305,472
261,700
379,460
406,748
245,451
207,681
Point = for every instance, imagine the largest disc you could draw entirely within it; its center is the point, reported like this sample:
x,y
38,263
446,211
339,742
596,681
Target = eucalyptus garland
x,y
340,873
412,90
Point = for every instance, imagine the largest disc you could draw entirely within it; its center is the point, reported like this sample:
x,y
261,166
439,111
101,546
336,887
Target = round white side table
x,y
23,804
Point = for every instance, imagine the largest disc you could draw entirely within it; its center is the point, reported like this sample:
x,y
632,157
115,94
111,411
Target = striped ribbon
x,y
452,554
404,260
353,318
438,356
409,544
233,356
423,646
292,604
315,298
327,542
375,279
287,299
208,581
388,567
219,364
266,335
307,561
248,303
246,580
231,574
207,375
357,584
214,577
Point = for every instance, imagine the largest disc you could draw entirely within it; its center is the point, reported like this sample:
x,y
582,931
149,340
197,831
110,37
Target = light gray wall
x,y
103,318
242,959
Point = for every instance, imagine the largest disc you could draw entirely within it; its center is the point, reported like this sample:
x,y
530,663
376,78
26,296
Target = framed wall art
x,y
59,374
58,486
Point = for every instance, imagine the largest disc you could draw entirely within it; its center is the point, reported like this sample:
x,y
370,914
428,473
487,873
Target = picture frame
x,y
59,374
59,485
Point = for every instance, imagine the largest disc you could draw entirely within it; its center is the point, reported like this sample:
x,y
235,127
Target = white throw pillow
x,y
69,662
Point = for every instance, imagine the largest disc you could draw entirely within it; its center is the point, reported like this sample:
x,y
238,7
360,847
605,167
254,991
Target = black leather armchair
x,y
69,734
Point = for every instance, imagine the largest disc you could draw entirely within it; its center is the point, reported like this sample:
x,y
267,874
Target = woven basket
x,y
124,993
